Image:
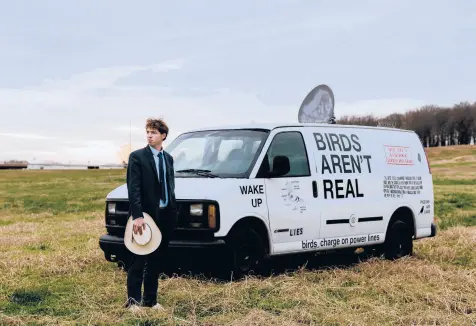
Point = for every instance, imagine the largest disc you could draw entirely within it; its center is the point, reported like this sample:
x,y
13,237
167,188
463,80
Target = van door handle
x,y
314,189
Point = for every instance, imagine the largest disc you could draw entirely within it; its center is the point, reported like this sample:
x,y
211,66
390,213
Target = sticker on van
x,y
397,187
425,207
398,155
290,196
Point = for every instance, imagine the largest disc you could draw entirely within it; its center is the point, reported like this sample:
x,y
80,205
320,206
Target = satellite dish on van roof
x,y
318,106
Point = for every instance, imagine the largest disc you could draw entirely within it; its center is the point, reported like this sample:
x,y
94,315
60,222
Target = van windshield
x,y
216,153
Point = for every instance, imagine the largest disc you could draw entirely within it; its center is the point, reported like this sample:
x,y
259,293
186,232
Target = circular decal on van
x,y
352,220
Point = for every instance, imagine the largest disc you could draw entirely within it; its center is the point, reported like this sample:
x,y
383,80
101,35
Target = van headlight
x,y
196,209
199,215
111,208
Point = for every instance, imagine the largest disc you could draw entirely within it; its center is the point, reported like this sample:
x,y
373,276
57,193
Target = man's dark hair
x,y
159,125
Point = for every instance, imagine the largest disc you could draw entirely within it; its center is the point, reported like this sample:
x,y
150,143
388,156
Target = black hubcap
x,y
400,247
245,258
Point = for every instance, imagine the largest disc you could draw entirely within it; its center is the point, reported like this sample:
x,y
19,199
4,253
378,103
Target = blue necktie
x,y
161,177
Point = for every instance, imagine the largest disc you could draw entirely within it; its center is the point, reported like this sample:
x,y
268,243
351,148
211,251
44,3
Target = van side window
x,y
290,144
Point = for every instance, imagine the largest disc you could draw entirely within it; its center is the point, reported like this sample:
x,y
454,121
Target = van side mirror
x,y
281,166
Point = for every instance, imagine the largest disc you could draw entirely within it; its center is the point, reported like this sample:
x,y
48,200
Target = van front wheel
x,y
247,252
399,242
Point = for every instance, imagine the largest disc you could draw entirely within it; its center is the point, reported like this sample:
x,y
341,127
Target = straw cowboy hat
x,y
147,242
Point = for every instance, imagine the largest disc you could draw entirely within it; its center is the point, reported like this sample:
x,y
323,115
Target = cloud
x,y
89,113
377,107
74,113
66,94
25,136
92,151
132,129
106,77
94,126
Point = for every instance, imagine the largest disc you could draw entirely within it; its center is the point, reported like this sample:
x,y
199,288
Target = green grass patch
x,y
455,209
460,200
454,182
449,221
337,294
267,299
448,203
39,247
57,192
25,297
452,164
36,301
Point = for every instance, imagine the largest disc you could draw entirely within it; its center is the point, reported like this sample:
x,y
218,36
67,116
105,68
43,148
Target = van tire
x,y
248,252
399,241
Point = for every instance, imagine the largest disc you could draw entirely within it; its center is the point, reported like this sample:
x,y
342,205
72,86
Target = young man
x,y
151,189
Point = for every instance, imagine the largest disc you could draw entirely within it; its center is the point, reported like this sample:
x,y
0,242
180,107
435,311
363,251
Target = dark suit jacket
x,y
144,190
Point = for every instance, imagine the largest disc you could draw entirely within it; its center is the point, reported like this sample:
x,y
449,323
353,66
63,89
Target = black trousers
x,y
145,268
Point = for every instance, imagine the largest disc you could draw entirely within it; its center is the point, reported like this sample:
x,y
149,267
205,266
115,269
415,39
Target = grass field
x,y
52,271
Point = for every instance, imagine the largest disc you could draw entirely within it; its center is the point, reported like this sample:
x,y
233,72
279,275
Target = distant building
x,y
35,165
54,166
49,166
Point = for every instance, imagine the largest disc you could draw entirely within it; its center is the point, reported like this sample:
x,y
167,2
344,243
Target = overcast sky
x,y
72,73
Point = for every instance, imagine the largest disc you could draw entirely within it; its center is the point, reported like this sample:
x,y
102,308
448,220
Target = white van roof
x,y
271,126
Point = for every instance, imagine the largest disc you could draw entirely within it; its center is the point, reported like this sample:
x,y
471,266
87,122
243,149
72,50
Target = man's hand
x,y
139,225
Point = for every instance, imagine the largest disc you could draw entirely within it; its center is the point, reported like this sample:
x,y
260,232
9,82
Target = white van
x,y
266,190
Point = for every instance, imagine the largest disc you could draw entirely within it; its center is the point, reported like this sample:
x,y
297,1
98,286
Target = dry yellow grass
x,y
52,271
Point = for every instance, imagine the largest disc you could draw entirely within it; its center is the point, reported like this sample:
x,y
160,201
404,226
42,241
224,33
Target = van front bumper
x,y
113,246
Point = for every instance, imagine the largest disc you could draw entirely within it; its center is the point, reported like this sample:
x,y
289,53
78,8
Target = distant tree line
x,y
436,126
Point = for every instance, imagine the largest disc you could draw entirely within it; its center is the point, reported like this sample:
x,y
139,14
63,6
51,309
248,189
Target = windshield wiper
x,y
206,173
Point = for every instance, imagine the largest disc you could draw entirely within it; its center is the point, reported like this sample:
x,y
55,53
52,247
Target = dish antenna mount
x,y
318,106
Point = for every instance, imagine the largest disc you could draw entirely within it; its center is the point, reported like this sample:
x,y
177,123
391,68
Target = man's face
x,y
154,137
